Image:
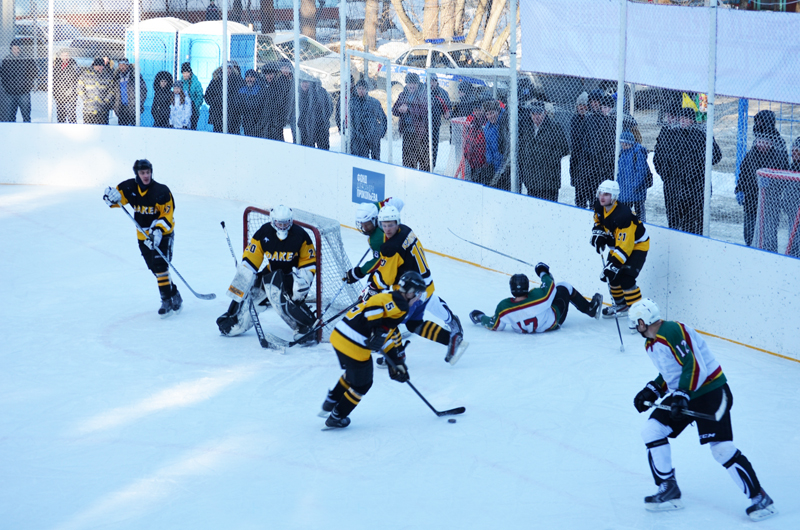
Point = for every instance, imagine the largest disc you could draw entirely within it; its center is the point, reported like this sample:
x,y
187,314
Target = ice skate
x,y
595,306
762,507
381,362
327,406
457,346
166,308
335,422
615,311
667,498
307,339
176,301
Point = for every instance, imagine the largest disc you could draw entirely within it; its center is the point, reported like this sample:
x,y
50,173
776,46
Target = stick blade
x,y
211,296
452,412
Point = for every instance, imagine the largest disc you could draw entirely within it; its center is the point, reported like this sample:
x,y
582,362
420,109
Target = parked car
x,y
438,53
38,29
315,58
85,50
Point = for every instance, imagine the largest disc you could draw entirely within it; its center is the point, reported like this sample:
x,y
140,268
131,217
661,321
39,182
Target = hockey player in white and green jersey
x,y
693,378
539,309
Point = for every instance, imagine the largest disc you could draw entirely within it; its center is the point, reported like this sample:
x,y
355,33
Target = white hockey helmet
x,y
646,310
389,213
608,186
282,218
366,212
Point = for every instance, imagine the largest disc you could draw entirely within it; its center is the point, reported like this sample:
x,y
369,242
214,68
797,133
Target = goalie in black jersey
x,y
289,264
153,209
401,252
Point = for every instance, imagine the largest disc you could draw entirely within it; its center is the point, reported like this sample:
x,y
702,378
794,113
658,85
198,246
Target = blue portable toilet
x,y
158,48
201,46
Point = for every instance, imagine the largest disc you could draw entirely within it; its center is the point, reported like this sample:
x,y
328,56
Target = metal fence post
x,y
712,75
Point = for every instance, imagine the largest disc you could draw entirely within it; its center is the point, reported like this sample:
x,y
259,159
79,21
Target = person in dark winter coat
x,y
162,99
440,103
250,105
634,175
601,131
95,88
412,109
276,97
542,145
663,164
467,100
579,165
18,75
287,73
65,81
688,157
214,98
369,124
792,203
125,94
768,151
316,107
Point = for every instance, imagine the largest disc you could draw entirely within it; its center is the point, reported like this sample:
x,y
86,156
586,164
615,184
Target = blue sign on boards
x,y
368,186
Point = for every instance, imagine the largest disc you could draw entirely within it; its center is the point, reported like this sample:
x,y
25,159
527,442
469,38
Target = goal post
x,y
332,261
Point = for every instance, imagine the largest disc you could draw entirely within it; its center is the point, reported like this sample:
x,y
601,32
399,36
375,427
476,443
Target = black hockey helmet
x,y
412,282
142,164
519,285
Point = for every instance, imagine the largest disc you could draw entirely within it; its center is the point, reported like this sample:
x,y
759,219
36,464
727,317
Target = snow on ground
x,y
113,418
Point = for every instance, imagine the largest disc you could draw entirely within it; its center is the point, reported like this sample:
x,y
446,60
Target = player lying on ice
x,y
289,264
539,309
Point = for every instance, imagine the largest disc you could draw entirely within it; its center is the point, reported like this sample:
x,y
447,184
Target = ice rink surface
x,y
114,418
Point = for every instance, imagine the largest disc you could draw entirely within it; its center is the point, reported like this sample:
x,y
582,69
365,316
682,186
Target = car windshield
x,y
267,53
474,58
309,49
94,49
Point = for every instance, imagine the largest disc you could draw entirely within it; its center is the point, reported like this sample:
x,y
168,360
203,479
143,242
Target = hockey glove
x,y
610,273
476,316
650,393
601,239
353,275
376,340
541,269
112,196
367,293
154,240
680,402
398,372
396,359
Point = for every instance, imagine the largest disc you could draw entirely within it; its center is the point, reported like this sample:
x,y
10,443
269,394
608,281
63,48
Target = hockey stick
x,y
440,413
139,228
490,249
616,315
253,313
709,417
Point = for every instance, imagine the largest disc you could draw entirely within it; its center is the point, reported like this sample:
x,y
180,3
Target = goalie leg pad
x,y
296,314
242,282
236,320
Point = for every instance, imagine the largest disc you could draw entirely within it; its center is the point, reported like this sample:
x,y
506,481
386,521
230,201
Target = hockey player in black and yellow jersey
x,y
618,228
277,268
402,252
370,326
367,224
153,208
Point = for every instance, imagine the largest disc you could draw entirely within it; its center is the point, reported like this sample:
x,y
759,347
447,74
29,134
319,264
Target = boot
x,y
668,497
762,507
615,311
595,305
166,307
176,300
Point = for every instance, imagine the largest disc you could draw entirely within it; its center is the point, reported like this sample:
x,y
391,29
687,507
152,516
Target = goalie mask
x,y
608,186
646,310
281,219
520,285
367,212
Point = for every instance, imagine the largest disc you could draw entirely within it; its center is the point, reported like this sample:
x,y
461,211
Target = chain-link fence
x,y
444,106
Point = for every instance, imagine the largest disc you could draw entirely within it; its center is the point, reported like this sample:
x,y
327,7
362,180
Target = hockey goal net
x,y
777,224
332,262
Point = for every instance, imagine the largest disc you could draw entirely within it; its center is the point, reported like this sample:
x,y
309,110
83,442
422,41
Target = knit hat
x,y
251,73
606,101
186,67
583,99
411,77
627,138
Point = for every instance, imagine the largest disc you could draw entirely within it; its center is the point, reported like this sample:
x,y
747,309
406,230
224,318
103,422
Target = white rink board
x,y
746,295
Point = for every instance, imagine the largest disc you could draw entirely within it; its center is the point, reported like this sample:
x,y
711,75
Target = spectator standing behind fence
x,y
65,80
477,168
496,135
579,162
440,102
689,159
768,152
214,98
193,89
95,88
601,131
287,73
664,165
18,75
369,123
792,203
162,99
634,175
250,105
411,108
180,111
542,145
212,11
316,107
773,189
125,94
467,100
276,108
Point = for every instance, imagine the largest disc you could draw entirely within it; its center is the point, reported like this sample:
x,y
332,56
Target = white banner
x,y
758,53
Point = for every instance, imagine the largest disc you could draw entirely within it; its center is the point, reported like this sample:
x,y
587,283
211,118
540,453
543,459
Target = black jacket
x,y
65,80
162,99
540,155
18,75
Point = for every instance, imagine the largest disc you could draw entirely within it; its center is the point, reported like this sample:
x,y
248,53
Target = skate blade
x,y
166,315
674,504
323,414
462,347
759,515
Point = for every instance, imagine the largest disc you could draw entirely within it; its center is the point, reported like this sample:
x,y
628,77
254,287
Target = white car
x,y
315,59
